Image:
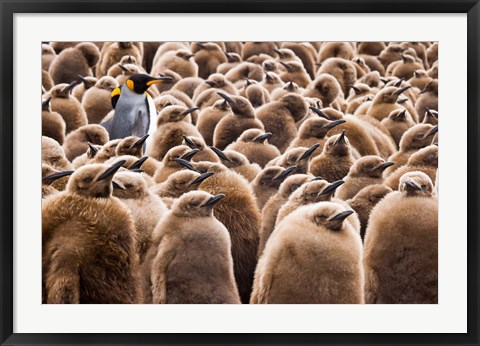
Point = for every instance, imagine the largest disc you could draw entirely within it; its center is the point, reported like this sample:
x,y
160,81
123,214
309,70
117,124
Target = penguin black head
x,y
139,83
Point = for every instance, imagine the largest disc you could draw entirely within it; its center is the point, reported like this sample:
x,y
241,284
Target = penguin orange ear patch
x,y
130,84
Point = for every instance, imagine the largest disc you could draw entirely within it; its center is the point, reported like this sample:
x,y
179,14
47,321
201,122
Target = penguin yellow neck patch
x,y
130,84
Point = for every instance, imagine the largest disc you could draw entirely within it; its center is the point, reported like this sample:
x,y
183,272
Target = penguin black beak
x,y
308,152
401,90
70,86
92,149
247,82
357,91
184,163
187,156
211,83
139,143
190,110
189,142
226,98
123,67
429,113
278,52
137,170
402,115
290,85
286,172
201,178
342,216
411,185
46,102
340,138
51,178
111,170
82,78
220,154
117,186
319,112
268,77
287,66
402,101
332,187
385,165
215,199
432,132
335,123
137,164
188,56
316,178
262,138
158,80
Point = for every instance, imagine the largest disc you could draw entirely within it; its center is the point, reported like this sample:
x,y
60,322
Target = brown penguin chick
x,y
432,53
163,101
342,50
370,48
233,59
401,267
231,126
313,257
343,70
359,90
245,70
131,145
206,93
365,171
385,101
62,45
205,153
287,88
335,161
424,160
430,117
106,152
177,184
169,165
97,100
76,142
170,130
129,70
190,229
112,53
53,154
49,178
53,125
279,118
79,90
428,99
238,163
365,200
420,79
295,72
417,137
257,48
149,51
272,81
169,46
298,157
209,118
198,46
208,57
384,142
87,156
270,65
325,87
147,208
360,66
233,47
169,84
179,61
314,131
375,67
274,203
255,93
47,81
306,53
88,242
48,55
407,67
68,106
266,184
420,51
357,102
433,71
398,121
188,85
118,68
392,53
253,143
74,61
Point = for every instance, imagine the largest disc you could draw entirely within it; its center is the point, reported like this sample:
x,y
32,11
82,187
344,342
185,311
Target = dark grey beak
x,y
190,110
211,83
187,156
139,143
340,138
111,170
308,152
137,164
226,98
215,199
92,149
286,172
401,90
45,103
385,165
189,142
184,163
432,132
56,176
410,184
262,138
335,123
201,178
342,216
332,187
319,112
220,153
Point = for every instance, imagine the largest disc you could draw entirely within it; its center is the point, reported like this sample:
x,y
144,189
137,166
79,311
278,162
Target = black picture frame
x,y
7,176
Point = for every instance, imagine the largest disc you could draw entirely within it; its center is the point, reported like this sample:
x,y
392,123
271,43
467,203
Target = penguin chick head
x,y
271,77
389,94
63,90
130,162
292,66
231,158
292,183
107,150
130,69
184,54
93,133
328,88
296,104
337,145
233,57
317,127
418,136
194,142
311,192
55,178
173,114
420,74
240,105
372,194
184,181
94,180
164,101
427,156
291,87
131,145
107,83
273,176
400,115
222,105
139,83
53,154
88,81
330,216
129,185
431,117
47,49
254,136
369,166
179,152
359,89
216,80
416,184
128,59
195,204
298,157
431,88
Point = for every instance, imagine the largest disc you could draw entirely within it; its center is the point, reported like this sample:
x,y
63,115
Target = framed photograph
x,y
239,173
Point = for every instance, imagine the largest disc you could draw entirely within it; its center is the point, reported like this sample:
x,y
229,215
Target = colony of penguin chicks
x,y
240,172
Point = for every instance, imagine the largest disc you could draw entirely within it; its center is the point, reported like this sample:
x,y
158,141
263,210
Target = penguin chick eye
x,y
128,186
55,159
294,187
420,135
87,180
195,203
424,187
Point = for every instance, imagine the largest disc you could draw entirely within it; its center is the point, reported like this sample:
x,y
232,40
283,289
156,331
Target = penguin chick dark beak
x,y
184,163
335,123
342,216
319,112
402,101
332,187
262,138
316,178
82,78
51,178
46,102
340,138
220,154
411,185
117,186
139,143
286,172
432,132
211,83
190,110
92,148
247,82
137,170
187,156
402,115
70,86
287,66
201,178
226,98
308,152
137,164
189,142
401,90
110,171
268,77
278,52
354,88
123,67
385,165
429,113
188,56
215,199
